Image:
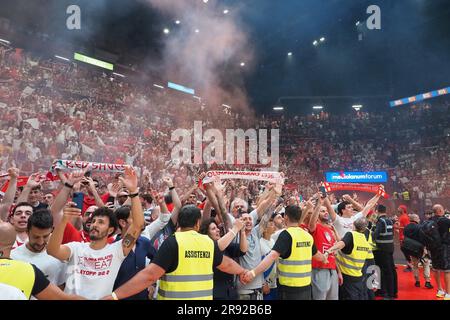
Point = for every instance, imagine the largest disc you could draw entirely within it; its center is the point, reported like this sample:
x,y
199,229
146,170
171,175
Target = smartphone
x,y
324,192
78,198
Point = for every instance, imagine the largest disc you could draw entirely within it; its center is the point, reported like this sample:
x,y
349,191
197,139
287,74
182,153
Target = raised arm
x,y
175,198
33,181
370,204
8,198
356,205
307,209
225,241
330,209
64,194
55,247
185,196
263,205
130,181
98,201
315,216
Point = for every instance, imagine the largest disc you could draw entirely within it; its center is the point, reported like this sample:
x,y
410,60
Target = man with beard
x,y
72,232
325,277
24,277
93,266
39,229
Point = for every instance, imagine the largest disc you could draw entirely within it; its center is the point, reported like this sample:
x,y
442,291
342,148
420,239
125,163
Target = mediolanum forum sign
x,y
357,177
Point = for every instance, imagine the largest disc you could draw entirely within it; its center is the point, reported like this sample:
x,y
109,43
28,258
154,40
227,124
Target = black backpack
x,y
429,231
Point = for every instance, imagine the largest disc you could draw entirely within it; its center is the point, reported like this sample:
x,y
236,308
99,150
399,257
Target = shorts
x,y
440,258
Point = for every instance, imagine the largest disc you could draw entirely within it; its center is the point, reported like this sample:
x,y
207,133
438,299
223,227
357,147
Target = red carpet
x,y
407,290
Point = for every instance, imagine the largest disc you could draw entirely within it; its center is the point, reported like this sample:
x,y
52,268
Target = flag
x,y
21,181
33,122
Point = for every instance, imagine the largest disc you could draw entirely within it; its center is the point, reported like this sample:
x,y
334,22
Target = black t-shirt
x,y
444,227
40,281
284,245
167,256
348,240
412,231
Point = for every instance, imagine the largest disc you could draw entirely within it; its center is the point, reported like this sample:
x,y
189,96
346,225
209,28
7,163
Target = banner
x,y
21,181
359,177
269,176
329,187
92,166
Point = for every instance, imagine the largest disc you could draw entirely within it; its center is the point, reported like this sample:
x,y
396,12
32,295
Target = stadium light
x,y
278,108
197,30
315,43
166,31
205,1
158,86
198,98
358,23
225,11
322,39
318,107
5,41
242,64
62,58
357,107
289,54
177,22
119,74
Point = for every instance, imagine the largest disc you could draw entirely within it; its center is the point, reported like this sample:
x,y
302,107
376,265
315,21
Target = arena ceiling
x,y
409,55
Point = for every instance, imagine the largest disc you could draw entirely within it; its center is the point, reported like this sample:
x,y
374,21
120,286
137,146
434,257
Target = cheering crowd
x,y
157,231
214,242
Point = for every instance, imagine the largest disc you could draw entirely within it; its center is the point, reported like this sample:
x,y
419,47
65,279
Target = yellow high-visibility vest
x,y
295,271
17,274
373,246
352,264
406,195
193,277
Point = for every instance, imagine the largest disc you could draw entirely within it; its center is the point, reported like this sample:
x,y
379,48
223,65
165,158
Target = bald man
x,y
440,257
24,276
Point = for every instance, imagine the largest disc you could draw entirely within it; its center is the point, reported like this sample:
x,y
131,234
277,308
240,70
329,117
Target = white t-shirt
x,y
344,225
157,225
91,273
53,269
8,292
266,248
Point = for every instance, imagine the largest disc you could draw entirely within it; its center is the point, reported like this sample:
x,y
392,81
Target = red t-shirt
x,y
403,221
71,234
324,239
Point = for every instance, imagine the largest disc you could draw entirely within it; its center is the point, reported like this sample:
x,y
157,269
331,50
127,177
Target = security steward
x,y
25,277
384,255
351,259
294,248
184,263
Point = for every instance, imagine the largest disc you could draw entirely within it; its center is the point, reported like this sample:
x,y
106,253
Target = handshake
x,y
247,276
